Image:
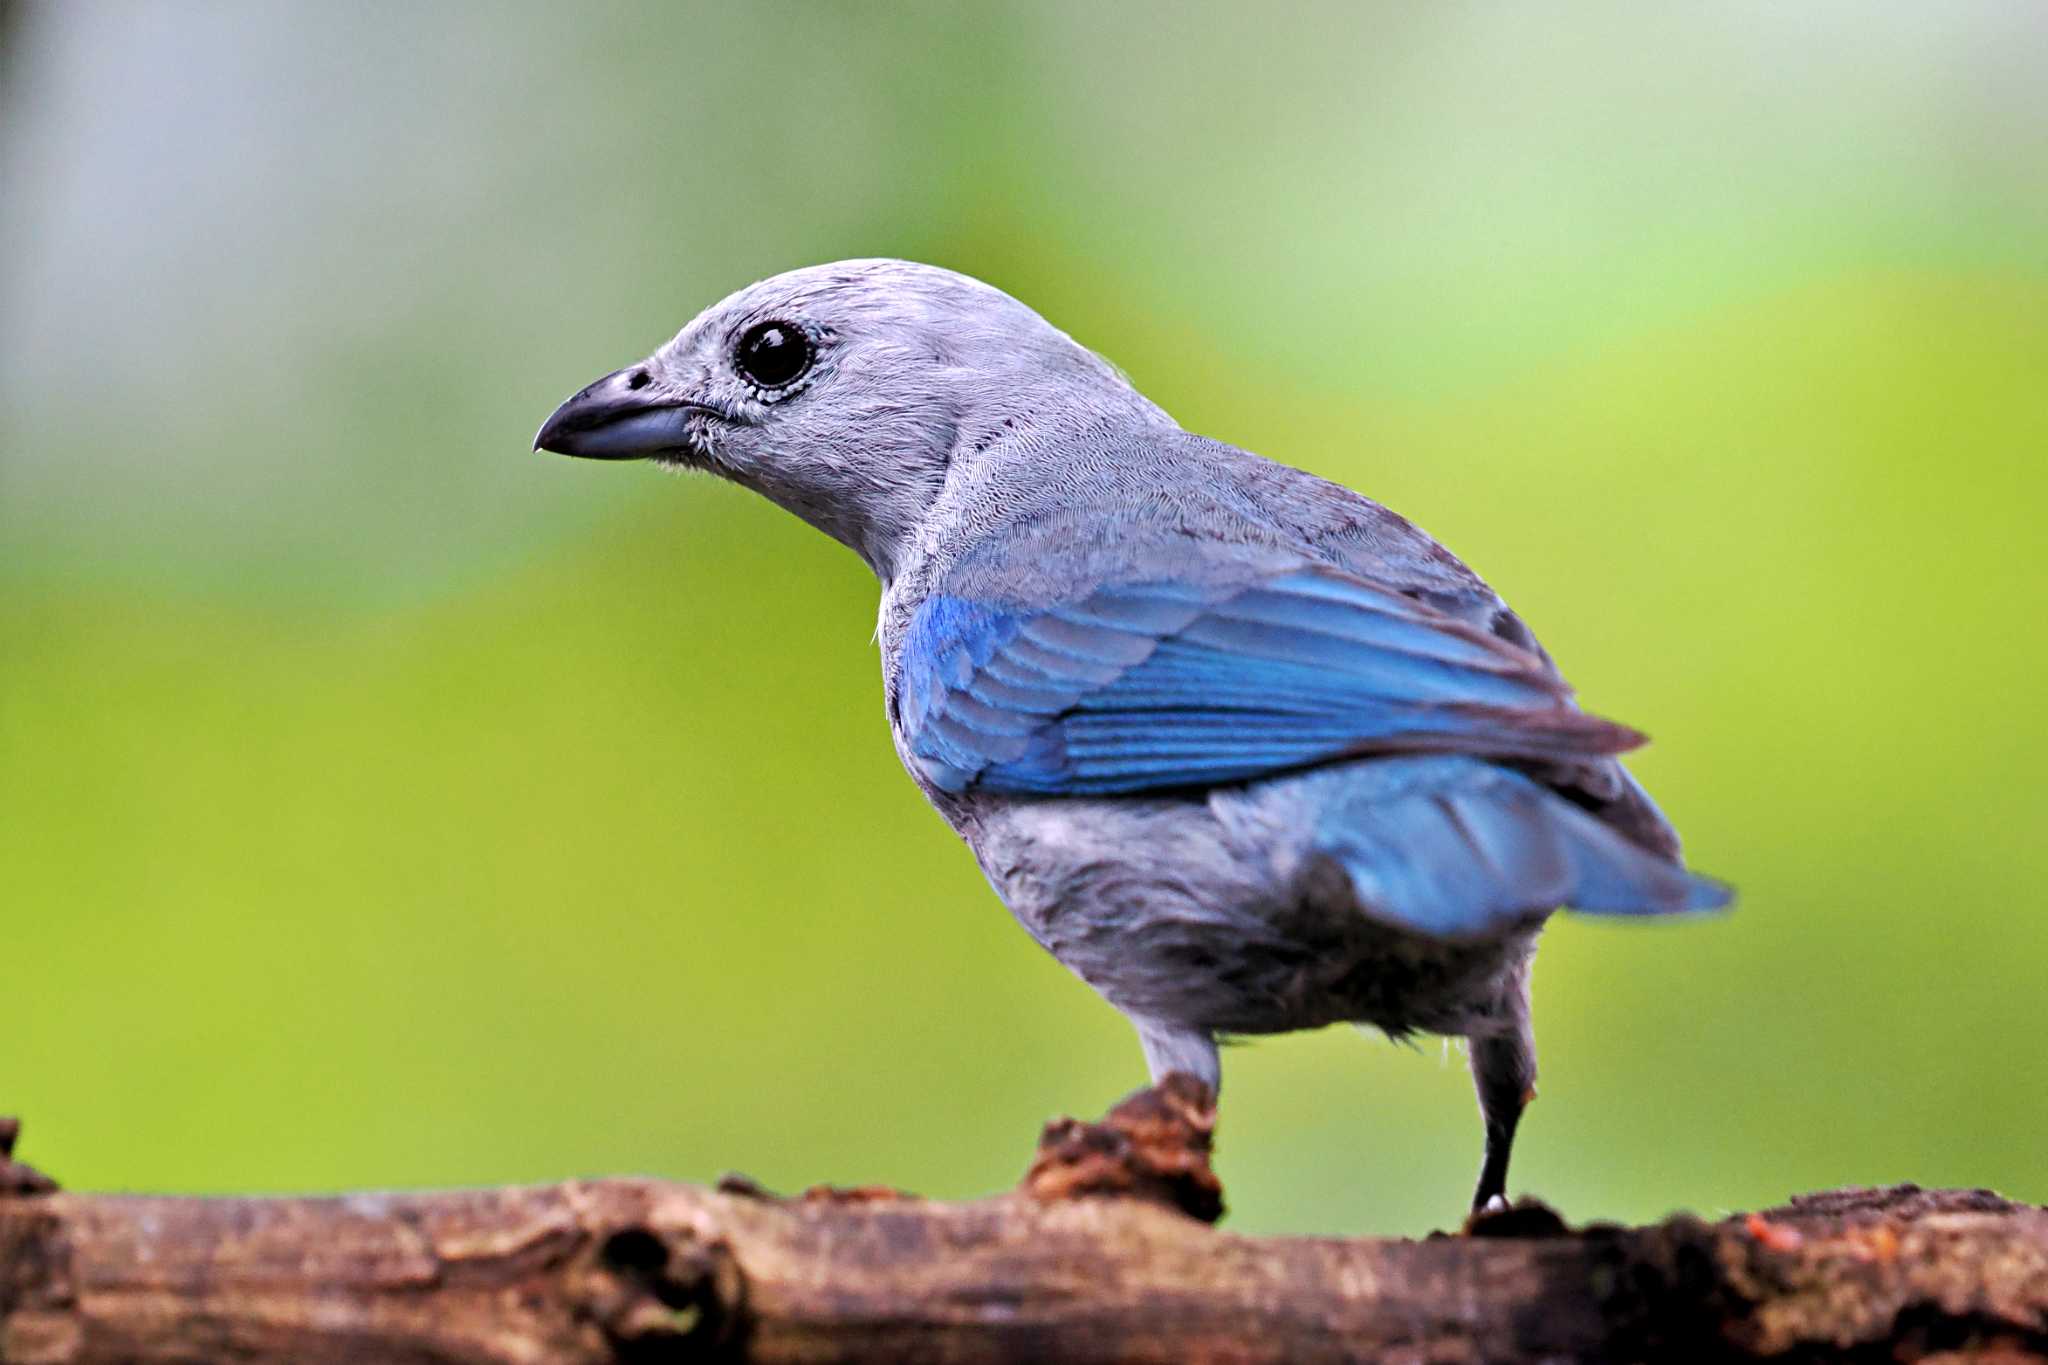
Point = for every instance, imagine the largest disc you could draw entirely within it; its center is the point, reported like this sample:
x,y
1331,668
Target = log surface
x,y
1096,1258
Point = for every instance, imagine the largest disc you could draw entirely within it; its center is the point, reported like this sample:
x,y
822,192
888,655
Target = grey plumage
x,y
1245,750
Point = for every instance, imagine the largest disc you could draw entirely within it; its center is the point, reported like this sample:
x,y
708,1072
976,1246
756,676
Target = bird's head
x,y
845,393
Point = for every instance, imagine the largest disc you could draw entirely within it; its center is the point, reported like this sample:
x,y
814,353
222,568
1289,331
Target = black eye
x,y
773,354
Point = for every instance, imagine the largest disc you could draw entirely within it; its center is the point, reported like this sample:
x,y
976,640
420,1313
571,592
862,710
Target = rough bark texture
x,y
1096,1257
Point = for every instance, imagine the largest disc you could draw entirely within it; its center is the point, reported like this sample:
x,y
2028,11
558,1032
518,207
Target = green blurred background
x,y
384,805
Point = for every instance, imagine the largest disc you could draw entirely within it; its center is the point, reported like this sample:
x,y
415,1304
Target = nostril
x,y
639,379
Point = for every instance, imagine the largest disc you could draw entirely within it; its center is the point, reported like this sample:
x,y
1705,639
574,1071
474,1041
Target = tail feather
x,y
1456,846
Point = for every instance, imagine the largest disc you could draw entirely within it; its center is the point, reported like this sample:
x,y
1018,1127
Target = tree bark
x,y
1101,1255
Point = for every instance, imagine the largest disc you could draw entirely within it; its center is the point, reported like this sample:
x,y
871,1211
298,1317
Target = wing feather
x,y
1152,685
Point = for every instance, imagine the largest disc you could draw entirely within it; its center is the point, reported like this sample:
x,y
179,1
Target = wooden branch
x,y
1095,1258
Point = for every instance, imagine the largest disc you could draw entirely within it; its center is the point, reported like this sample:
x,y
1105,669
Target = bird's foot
x,y
1525,1217
15,1178
1153,1146
746,1187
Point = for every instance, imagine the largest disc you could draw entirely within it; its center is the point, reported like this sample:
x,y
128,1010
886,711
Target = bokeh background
x,y
382,804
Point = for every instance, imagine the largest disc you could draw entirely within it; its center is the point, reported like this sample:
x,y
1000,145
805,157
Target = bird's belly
x,y
1214,912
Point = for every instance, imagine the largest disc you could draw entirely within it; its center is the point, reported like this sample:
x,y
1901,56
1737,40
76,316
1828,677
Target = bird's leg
x,y
1504,1071
1177,1047
15,1178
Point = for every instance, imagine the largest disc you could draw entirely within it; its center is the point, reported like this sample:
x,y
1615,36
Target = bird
x,y
1245,750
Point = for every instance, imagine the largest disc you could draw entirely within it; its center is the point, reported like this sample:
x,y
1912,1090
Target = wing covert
x,y
1151,685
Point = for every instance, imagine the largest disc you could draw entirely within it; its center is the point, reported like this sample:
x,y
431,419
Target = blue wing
x,y
1148,685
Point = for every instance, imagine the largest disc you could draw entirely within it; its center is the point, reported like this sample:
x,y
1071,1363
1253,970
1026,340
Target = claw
x,y
1529,1218
15,1178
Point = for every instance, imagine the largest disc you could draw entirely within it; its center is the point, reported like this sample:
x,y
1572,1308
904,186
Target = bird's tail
x,y
1457,846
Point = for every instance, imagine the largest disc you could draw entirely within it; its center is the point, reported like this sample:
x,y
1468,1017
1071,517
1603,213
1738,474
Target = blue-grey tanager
x,y
1245,750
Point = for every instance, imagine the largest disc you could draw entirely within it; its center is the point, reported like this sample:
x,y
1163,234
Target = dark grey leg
x,y
1504,1071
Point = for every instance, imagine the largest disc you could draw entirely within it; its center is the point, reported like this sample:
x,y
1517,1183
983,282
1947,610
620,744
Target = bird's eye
x,y
773,355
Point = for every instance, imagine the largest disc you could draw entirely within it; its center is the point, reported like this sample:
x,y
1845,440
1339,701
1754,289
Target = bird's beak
x,y
623,416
